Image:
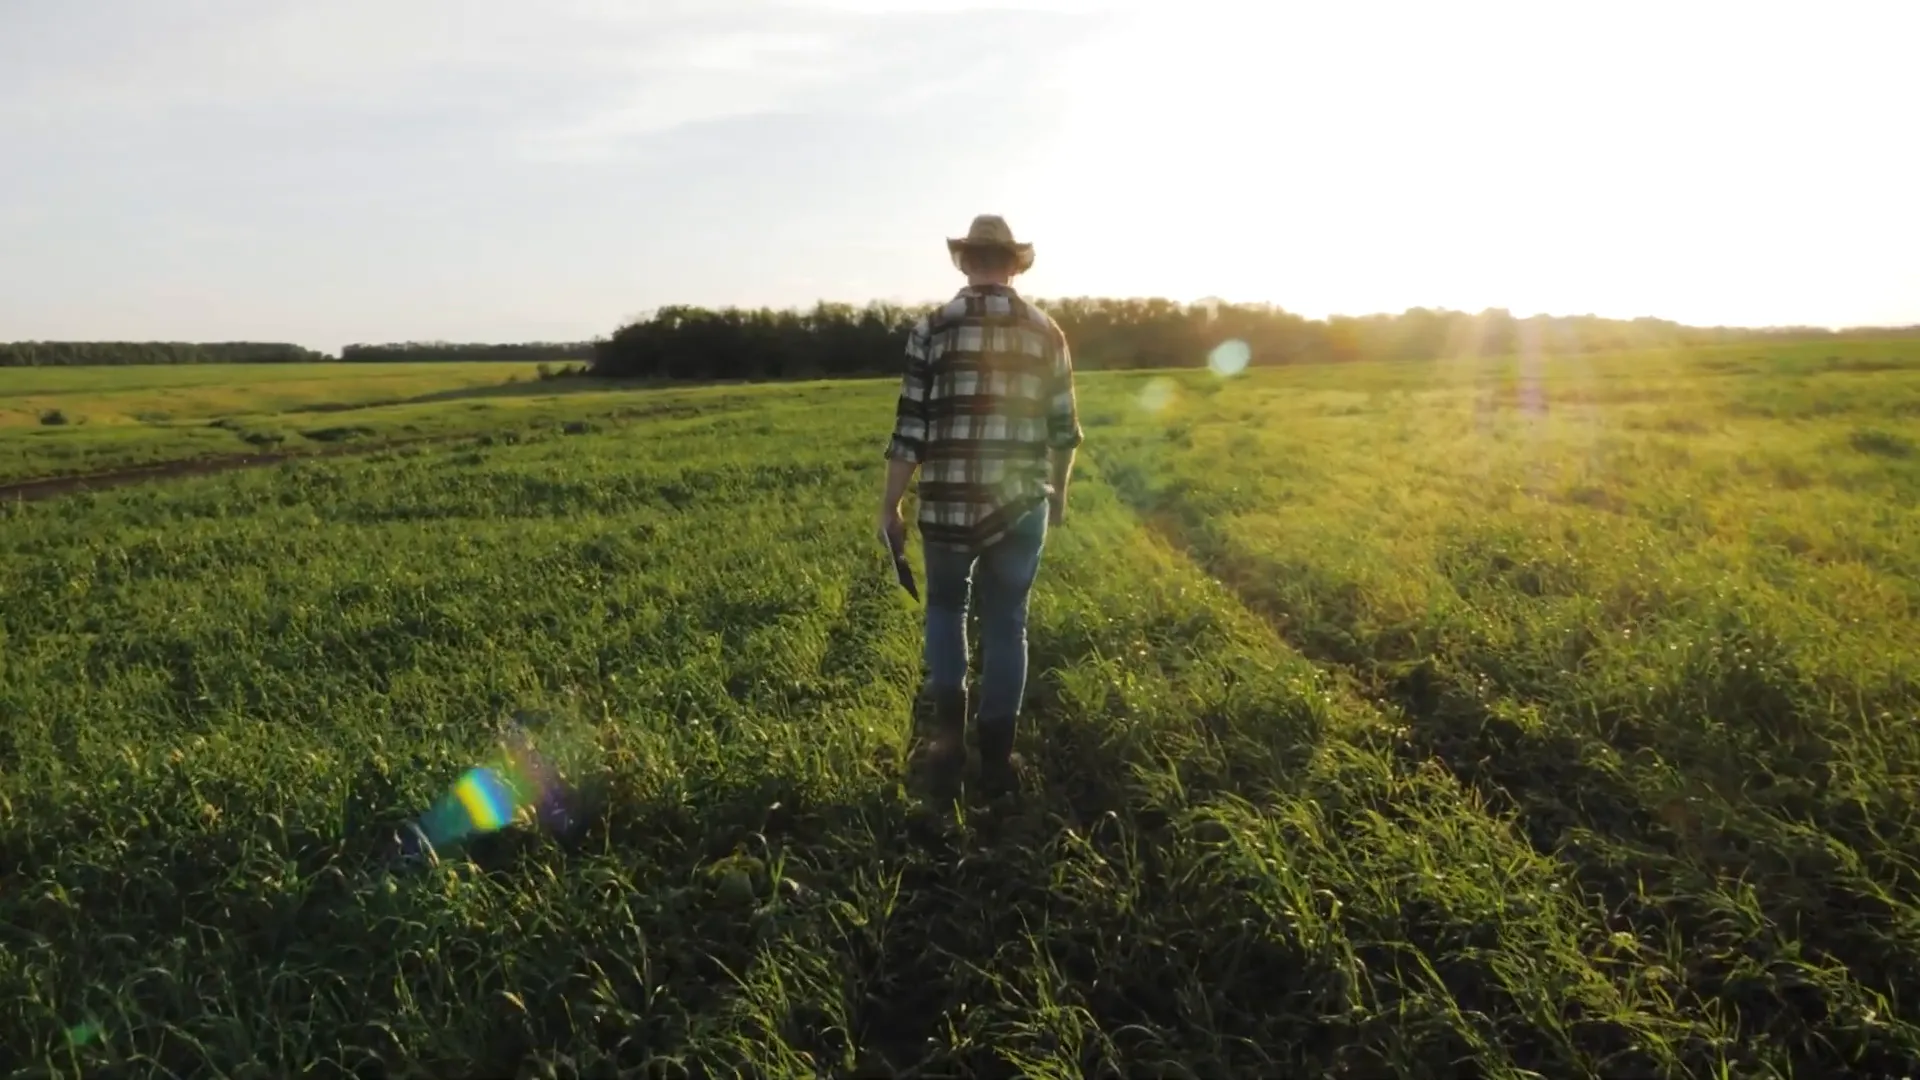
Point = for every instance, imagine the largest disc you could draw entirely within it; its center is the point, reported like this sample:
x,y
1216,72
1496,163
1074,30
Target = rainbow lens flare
x,y
488,798
485,799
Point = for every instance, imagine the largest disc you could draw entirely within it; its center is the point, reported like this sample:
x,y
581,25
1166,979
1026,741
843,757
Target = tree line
x,y
68,353
75,353
431,351
829,340
832,340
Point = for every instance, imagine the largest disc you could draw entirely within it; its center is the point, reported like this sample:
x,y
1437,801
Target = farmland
x,y
67,420
1483,718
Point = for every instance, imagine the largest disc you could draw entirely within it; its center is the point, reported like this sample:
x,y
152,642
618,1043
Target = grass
x,y
1503,720
156,394
56,421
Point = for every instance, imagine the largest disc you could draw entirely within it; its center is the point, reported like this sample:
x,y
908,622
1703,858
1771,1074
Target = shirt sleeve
x,y
909,442
1063,412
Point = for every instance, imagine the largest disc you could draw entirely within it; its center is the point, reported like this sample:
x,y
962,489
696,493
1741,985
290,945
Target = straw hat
x,y
992,231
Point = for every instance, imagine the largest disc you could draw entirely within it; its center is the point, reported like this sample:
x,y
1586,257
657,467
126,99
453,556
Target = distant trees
x,y
834,340
69,353
838,339
413,352
65,353
694,343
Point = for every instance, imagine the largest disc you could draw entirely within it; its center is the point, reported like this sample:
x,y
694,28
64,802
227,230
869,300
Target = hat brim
x,y
1022,253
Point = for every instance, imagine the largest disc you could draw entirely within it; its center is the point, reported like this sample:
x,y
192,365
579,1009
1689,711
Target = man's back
x,y
988,392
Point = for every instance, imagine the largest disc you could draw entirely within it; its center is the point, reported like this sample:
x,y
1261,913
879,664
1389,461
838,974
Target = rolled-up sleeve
x,y
909,442
1063,411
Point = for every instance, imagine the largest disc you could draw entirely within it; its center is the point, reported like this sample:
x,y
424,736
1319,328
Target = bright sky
x,y
378,170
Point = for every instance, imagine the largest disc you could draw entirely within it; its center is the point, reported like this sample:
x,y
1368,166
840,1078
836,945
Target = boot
x,y
946,746
999,765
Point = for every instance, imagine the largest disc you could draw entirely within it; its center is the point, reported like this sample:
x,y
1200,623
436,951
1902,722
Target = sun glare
x,y
1339,161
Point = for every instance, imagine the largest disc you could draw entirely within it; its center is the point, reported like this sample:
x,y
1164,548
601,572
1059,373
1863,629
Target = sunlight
x,y
1341,161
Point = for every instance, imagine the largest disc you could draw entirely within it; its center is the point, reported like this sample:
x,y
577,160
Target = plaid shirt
x,y
987,393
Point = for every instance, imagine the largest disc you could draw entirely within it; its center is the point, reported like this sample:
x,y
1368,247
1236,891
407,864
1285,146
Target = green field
x,y
70,420
160,394
1495,719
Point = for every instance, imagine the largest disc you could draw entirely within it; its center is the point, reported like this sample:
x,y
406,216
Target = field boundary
x,y
47,487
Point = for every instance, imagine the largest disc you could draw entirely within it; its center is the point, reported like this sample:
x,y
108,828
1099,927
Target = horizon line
x,y
1265,307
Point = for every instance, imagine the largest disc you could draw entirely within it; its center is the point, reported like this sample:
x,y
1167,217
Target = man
x,y
987,414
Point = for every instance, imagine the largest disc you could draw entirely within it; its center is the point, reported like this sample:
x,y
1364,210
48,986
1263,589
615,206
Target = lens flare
x,y
1229,358
83,1033
1157,394
488,798
485,799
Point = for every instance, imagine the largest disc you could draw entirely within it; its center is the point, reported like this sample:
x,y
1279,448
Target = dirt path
x,y
47,487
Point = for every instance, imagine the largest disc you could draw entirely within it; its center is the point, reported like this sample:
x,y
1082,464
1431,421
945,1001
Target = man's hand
x,y
893,527
1060,472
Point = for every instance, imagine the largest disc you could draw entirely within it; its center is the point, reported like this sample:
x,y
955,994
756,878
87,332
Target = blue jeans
x,y
1007,570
